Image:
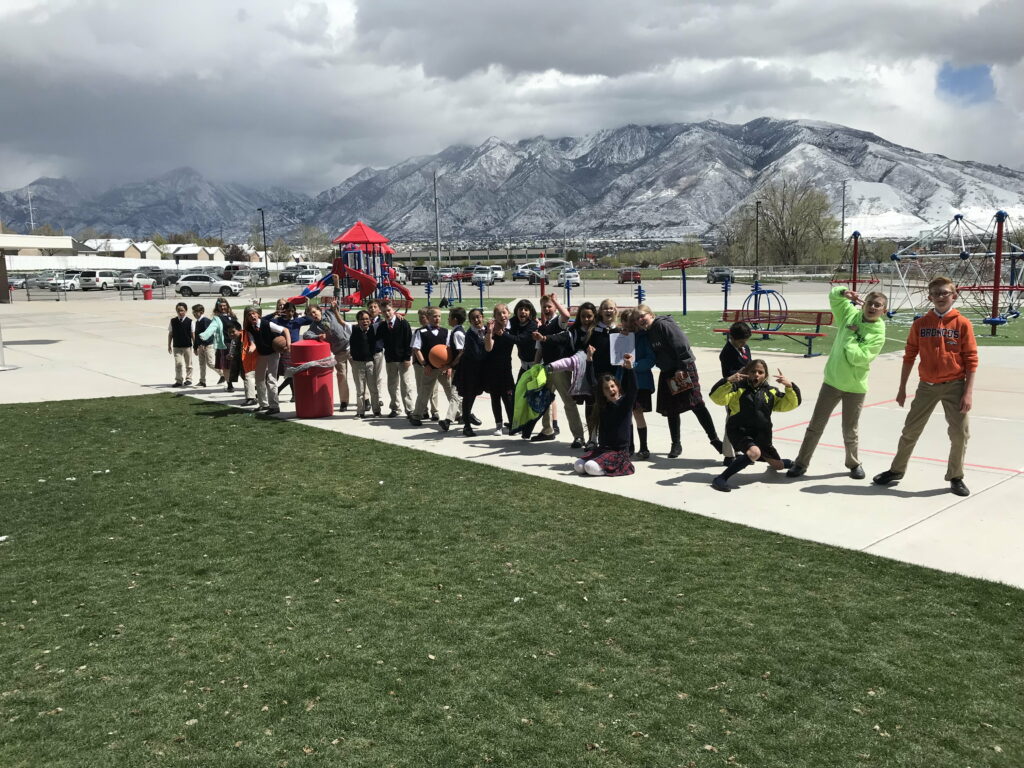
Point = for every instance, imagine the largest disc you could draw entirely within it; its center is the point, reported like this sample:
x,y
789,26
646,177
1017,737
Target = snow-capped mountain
x,y
655,182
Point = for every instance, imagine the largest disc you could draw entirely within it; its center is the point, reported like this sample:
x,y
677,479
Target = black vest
x,y
428,341
181,331
264,338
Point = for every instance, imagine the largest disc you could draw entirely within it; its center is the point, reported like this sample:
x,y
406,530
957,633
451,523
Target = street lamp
x,y
757,241
266,253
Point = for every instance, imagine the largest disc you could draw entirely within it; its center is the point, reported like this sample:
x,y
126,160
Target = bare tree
x,y
797,225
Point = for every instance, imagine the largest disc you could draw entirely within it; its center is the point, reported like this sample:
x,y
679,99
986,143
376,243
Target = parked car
x,y
160,276
499,273
720,274
243,276
67,282
426,273
196,284
400,274
523,270
136,280
42,280
101,279
18,281
447,274
629,275
568,276
482,276
308,276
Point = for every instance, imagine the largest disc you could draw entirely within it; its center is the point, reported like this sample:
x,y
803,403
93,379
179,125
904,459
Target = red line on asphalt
x,y
837,412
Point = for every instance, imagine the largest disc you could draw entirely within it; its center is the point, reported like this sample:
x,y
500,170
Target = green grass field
x,y
185,584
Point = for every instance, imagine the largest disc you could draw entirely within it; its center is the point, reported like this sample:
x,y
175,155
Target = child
x,y
223,327
379,364
247,353
643,364
271,340
179,343
751,401
203,350
949,358
431,336
734,355
553,318
498,379
417,367
362,346
858,341
614,408
470,370
396,334
327,324
576,339
456,343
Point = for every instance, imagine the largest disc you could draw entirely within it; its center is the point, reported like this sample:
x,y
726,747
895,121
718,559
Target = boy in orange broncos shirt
x,y
949,357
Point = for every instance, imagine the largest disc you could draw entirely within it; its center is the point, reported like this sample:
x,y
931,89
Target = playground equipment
x,y
973,258
851,266
364,257
682,265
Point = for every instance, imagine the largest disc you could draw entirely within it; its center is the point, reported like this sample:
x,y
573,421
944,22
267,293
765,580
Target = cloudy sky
x,y
306,93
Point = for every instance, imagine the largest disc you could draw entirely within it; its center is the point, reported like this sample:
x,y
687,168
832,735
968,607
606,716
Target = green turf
x,y
238,592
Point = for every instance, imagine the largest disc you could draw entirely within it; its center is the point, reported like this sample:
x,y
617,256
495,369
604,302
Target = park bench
x,y
791,323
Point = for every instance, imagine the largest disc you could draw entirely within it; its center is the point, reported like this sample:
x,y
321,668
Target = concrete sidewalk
x,y
109,348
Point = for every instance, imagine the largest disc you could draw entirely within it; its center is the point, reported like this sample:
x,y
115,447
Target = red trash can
x,y
147,293
314,387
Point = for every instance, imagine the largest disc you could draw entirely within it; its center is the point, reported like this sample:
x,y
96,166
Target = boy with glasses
x,y
949,358
859,339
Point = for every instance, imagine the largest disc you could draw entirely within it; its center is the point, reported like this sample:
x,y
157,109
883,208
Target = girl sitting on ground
x,y
751,401
613,406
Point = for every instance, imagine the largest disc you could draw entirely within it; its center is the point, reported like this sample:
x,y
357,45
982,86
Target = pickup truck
x,y
423,274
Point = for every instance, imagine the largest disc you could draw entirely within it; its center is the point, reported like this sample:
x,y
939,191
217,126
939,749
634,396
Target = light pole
x,y
757,241
266,250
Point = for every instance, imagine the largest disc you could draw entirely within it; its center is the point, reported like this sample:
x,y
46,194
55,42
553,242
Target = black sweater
x,y
671,346
397,340
617,418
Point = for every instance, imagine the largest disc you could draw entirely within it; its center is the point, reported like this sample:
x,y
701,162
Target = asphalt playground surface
x,y
105,345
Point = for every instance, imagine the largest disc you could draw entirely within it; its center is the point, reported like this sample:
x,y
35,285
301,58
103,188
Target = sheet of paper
x,y
622,344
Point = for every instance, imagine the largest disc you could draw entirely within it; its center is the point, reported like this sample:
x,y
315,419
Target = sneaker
x,y
798,470
540,437
468,431
376,414
721,484
416,422
717,445
887,478
392,413
176,384
444,424
957,486
676,451
272,410
434,417
247,402
577,444
342,407
474,420
590,445
201,384
644,453
188,383
857,473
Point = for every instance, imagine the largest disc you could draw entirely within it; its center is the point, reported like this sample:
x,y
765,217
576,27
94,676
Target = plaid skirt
x,y
614,463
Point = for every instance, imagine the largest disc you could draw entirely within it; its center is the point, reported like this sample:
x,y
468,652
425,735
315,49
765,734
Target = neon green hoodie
x,y
853,350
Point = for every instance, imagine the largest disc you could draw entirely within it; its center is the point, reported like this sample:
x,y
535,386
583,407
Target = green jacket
x,y
852,350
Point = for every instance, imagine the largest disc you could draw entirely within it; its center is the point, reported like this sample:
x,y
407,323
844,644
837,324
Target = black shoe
x,y
231,388
474,420
416,422
220,380
444,424
577,444
557,430
721,484
366,405
176,384
392,414
590,445
188,383
260,409
717,444
540,437
468,431
857,473
676,451
644,453
272,410
342,407
247,402
887,478
798,470
434,417
958,487
201,384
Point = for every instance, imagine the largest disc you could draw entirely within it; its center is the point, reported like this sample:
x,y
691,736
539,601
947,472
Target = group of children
x,y
522,354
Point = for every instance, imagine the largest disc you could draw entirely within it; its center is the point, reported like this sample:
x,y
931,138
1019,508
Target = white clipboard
x,y
622,344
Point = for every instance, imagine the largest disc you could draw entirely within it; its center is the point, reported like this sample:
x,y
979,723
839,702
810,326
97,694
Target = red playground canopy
x,y
365,238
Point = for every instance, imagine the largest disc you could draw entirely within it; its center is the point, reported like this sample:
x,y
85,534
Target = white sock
x,y
580,467
593,468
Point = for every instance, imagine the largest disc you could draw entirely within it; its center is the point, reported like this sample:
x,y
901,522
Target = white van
x,y
97,278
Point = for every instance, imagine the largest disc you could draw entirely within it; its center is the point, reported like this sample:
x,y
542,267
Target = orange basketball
x,y
438,355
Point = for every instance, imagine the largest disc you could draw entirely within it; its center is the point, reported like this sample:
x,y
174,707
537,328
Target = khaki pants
x,y
921,407
207,355
418,375
380,372
431,378
182,364
559,381
400,377
249,383
828,398
341,370
365,378
266,380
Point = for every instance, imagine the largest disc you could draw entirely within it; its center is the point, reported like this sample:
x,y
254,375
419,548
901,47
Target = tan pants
x,y
365,378
249,384
182,364
266,380
418,375
207,355
400,378
828,398
431,378
380,371
341,369
921,407
559,382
